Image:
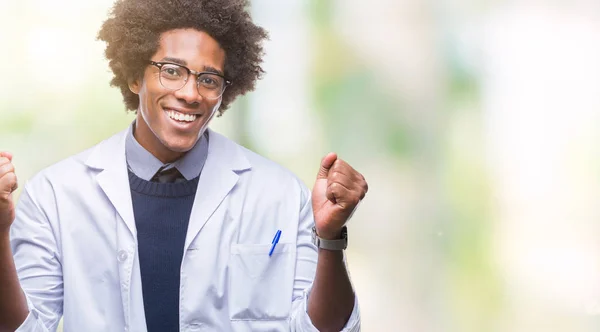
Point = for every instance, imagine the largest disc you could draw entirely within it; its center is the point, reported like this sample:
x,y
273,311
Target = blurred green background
x,y
475,123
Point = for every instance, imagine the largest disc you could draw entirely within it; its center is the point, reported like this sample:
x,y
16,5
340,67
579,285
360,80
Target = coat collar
x,y
110,153
224,161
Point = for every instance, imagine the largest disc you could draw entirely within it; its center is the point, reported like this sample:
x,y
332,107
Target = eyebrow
x,y
182,62
213,70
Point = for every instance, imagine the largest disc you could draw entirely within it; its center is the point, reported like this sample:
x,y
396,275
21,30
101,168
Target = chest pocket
x,y
261,286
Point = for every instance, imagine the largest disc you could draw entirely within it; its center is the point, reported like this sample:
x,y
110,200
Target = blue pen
x,y
274,242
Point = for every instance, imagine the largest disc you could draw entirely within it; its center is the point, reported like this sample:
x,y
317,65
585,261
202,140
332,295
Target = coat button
x,y
122,256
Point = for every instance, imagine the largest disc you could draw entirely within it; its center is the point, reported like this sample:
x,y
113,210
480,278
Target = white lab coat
x,y
74,244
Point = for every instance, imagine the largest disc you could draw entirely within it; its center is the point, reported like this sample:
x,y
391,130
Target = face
x,y
168,122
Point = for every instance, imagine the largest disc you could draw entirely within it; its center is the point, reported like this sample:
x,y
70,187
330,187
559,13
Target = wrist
x,y
4,235
333,240
329,234
4,232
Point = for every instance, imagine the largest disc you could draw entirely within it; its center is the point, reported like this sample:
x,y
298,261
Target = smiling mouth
x,y
178,116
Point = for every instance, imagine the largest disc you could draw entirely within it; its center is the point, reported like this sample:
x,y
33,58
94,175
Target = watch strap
x,y
339,244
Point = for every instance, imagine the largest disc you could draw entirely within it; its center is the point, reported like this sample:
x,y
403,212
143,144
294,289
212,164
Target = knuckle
x,y
7,169
12,178
9,180
342,164
336,176
339,164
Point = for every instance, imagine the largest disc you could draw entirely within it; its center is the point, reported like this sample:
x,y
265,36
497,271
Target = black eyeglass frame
x,y
197,74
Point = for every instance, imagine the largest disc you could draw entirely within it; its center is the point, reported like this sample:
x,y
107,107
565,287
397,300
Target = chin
x,y
179,144
181,148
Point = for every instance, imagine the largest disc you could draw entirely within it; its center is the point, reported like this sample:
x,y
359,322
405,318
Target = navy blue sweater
x,y
162,212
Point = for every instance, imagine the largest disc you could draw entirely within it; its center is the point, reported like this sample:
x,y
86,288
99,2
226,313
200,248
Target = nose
x,y
189,92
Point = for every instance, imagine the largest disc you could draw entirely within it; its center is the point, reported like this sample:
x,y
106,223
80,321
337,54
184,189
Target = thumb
x,y
326,164
6,154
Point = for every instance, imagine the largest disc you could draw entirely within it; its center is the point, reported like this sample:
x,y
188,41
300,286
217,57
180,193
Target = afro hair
x,y
133,29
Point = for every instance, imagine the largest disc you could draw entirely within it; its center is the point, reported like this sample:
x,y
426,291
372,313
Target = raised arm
x,y
13,304
337,192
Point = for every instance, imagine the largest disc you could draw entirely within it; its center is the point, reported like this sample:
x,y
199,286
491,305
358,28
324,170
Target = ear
x,y
134,86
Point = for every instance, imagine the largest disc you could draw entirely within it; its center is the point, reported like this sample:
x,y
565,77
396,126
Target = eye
x,y
210,81
172,72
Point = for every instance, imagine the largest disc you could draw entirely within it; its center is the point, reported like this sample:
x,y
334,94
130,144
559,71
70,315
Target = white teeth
x,y
181,117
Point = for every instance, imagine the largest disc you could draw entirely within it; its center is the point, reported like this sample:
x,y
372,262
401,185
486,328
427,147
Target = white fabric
x,y
74,244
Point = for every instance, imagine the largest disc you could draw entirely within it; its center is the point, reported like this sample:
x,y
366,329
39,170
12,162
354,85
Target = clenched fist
x,y
338,190
8,184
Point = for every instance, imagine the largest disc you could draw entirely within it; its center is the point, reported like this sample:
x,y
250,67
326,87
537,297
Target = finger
x,y
16,183
334,190
4,160
6,168
326,164
347,193
342,172
343,167
6,154
329,193
342,195
8,184
343,179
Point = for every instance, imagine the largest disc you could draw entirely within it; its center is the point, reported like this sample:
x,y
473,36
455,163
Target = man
x,y
168,226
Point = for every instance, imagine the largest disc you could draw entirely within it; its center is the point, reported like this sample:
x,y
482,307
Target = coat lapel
x,y
220,174
225,160
109,157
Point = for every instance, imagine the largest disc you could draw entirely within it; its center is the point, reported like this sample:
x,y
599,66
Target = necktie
x,y
170,175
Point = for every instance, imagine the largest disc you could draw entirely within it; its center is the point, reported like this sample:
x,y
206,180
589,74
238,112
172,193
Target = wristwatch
x,y
339,244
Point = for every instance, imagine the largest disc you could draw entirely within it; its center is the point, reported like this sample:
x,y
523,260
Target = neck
x,y
152,144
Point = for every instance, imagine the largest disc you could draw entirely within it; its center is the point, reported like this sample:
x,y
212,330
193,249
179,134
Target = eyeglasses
x,y
174,77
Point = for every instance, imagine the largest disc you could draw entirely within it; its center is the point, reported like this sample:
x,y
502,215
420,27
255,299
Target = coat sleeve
x,y
306,265
38,261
